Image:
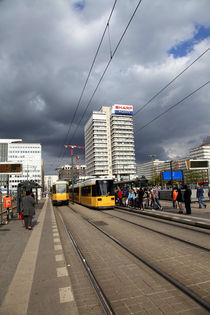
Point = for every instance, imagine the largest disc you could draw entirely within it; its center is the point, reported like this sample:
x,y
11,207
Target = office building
x,y
28,154
109,143
199,153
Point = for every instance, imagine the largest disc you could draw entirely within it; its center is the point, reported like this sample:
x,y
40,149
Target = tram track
x,y
157,270
161,233
105,303
174,219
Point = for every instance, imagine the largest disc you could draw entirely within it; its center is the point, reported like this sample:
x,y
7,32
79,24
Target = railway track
x,y
163,233
192,295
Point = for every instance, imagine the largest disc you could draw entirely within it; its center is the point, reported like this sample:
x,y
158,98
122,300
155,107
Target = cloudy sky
x,y
46,51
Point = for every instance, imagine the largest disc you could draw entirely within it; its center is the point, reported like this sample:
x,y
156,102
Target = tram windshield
x,y
60,188
104,187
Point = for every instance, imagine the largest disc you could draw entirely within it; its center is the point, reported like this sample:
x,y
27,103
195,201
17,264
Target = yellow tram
x,y
60,192
94,193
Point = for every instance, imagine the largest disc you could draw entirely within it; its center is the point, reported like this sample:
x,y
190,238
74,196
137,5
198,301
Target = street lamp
x,y
152,156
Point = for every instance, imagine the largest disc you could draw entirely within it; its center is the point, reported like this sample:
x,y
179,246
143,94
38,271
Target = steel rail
x,y
161,217
161,233
97,288
176,283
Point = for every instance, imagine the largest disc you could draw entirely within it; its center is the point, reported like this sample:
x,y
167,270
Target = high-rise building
x,y
28,154
109,143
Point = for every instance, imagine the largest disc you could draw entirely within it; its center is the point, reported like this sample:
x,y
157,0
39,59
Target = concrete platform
x,y
33,272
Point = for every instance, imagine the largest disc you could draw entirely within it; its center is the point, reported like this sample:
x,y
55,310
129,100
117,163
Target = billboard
x,y
177,175
197,164
122,109
10,168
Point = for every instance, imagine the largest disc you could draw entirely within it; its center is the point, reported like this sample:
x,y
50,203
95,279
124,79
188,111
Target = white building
x,y
49,180
29,154
148,169
109,143
200,153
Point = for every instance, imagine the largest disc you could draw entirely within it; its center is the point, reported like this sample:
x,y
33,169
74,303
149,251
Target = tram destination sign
x,y
10,168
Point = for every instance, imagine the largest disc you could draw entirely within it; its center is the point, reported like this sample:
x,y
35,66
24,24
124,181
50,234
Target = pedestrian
x,y
140,195
179,200
28,209
131,198
145,199
124,196
119,196
175,193
172,197
200,196
187,199
155,194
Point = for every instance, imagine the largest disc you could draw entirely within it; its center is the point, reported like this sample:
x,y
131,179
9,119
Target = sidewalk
x,y
33,272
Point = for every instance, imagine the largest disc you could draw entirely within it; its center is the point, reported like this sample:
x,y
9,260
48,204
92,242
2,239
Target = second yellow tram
x,y
60,193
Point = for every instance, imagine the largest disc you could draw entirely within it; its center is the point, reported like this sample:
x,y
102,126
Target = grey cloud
x,y
46,50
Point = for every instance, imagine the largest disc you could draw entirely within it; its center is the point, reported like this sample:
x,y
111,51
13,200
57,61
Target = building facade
x,y
109,143
202,152
65,172
49,180
29,155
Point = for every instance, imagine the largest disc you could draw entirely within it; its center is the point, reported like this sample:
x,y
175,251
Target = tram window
x,y
104,187
94,190
76,191
53,190
86,190
60,189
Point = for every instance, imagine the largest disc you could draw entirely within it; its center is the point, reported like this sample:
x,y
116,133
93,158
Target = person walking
x,y
131,198
155,193
119,196
140,195
179,200
187,199
28,209
200,196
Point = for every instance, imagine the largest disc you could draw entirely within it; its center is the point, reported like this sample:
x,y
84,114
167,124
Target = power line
x,y
171,107
84,87
167,85
111,58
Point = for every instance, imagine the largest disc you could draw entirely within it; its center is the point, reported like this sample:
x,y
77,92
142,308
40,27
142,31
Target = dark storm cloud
x,y
46,49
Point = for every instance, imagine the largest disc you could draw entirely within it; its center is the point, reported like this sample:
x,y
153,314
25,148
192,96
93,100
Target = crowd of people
x,y
141,198
145,198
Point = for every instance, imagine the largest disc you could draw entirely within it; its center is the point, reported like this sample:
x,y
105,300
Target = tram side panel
x,y
93,196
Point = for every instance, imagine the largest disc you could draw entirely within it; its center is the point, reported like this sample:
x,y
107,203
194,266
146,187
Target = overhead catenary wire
x,y
167,85
107,66
172,107
88,76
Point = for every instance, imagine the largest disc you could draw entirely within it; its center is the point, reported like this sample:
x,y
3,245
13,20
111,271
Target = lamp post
x,y
152,156
171,168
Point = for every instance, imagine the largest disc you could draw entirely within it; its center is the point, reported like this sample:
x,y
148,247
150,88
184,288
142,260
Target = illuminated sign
x,y
122,109
197,164
10,168
177,175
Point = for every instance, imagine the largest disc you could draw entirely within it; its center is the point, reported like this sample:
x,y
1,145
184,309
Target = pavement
x,y
33,270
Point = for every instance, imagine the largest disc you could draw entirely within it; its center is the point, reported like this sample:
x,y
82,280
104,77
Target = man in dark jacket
x,y
187,199
28,209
